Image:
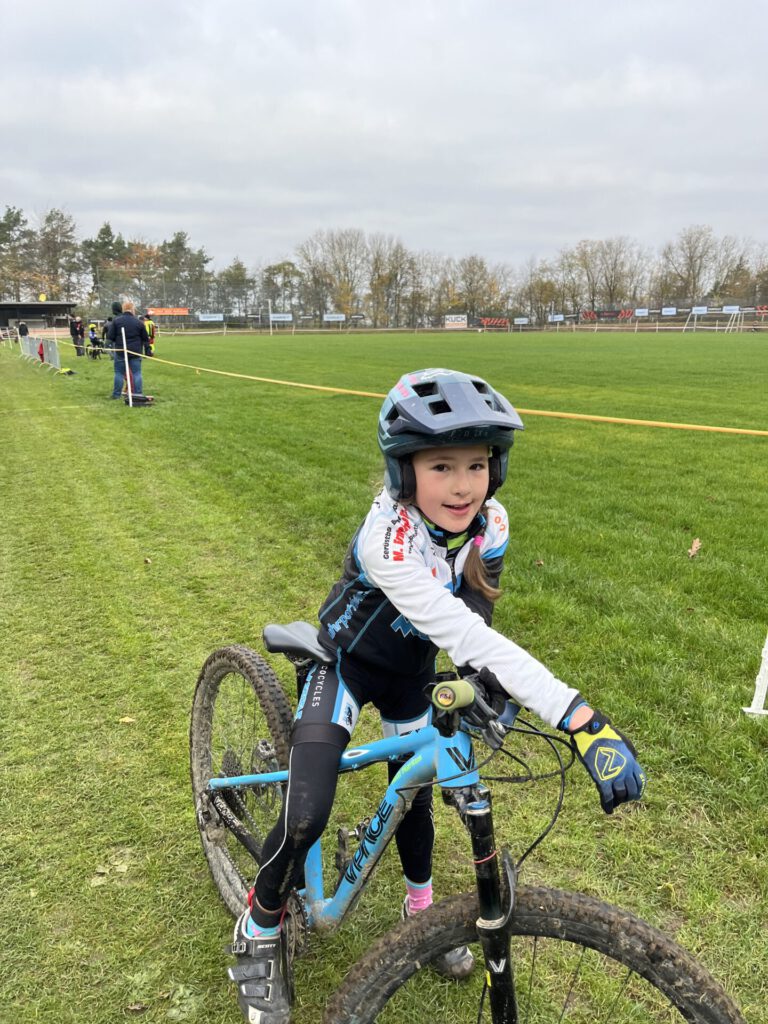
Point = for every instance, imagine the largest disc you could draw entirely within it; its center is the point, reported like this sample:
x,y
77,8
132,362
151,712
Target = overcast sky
x,y
506,128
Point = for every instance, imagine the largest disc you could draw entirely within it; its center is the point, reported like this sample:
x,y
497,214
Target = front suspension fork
x,y
494,923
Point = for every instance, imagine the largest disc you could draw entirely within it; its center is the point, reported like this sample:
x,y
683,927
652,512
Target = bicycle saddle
x,y
296,639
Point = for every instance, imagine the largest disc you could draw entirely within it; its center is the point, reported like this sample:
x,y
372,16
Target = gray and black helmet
x,y
429,408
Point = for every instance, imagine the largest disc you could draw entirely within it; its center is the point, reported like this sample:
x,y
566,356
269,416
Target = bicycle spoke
x,y
619,995
531,977
574,978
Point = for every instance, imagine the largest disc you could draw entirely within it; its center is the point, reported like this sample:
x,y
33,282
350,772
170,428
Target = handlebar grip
x,y
457,693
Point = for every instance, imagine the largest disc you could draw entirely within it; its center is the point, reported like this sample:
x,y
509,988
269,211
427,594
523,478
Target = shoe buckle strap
x,y
252,971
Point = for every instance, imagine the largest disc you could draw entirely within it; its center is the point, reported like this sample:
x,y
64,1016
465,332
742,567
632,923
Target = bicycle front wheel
x,y
574,959
241,724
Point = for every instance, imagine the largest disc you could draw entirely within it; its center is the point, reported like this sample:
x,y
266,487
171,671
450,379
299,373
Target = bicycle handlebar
x,y
454,694
492,713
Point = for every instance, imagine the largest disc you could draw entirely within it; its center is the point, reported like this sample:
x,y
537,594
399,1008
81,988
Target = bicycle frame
x,y
430,756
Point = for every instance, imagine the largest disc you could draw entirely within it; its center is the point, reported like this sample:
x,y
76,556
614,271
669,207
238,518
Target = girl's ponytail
x,y
474,570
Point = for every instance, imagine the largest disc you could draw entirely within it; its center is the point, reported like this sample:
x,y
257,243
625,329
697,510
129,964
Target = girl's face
x,y
451,484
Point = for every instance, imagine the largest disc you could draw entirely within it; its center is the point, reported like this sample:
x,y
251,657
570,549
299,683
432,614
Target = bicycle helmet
x,y
429,408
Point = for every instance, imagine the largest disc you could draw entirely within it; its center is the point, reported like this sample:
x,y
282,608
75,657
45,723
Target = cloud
x,y
459,126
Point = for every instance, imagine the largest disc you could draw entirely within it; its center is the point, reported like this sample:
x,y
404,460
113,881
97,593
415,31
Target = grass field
x,y
134,542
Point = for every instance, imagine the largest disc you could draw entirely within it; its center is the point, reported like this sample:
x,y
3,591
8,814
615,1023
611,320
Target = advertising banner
x,y
281,318
641,312
455,321
168,311
699,310
731,309
669,310
556,318
334,318
522,320
210,318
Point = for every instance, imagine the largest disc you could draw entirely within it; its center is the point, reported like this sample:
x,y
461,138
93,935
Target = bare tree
x,y
316,282
586,255
688,264
347,258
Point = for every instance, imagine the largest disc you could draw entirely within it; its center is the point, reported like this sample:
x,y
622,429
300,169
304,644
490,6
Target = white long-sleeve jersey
x,y
402,597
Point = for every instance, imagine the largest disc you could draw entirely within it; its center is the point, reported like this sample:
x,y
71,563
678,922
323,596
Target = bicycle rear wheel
x,y
574,959
241,724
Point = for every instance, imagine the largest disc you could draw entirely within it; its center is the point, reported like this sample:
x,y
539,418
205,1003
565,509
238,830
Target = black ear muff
x,y
407,480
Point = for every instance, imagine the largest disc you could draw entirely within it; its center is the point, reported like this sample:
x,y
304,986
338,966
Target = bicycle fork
x,y
493,925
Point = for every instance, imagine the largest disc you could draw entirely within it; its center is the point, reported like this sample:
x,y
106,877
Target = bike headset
x,y
443,408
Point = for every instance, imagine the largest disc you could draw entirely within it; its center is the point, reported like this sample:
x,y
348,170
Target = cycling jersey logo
x,y
402,625
609,763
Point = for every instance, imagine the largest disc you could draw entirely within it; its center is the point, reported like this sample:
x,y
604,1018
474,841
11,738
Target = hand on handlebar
x,y
483,704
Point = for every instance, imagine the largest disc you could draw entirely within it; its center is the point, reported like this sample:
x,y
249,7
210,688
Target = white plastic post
x,y
757,707
127,369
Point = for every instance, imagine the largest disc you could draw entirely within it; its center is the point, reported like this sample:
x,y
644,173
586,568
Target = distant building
x,y
37,314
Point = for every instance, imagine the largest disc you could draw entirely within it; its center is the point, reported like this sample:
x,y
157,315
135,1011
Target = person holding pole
x,y
129,338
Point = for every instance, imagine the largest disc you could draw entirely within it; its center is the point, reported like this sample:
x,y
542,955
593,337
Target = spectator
x,y
151,326
77,330
117,309
105,337
136,345
22,329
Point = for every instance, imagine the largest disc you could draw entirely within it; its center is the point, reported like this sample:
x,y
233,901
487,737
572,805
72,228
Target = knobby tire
x,y
239,711
673,980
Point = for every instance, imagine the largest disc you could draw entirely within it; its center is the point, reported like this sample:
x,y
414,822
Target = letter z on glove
x,y
611,760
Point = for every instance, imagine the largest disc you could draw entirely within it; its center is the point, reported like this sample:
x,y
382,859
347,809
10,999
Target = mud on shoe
x,y
262,989
456,964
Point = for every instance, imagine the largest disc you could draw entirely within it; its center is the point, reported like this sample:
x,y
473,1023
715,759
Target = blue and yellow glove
x,y
610,759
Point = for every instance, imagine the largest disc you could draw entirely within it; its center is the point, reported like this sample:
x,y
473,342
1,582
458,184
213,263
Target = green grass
x,y
134,542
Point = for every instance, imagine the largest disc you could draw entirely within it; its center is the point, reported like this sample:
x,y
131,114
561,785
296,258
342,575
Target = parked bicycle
x,y
548,955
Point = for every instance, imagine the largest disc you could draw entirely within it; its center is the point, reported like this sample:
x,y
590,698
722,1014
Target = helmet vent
x,y
425,390
440,406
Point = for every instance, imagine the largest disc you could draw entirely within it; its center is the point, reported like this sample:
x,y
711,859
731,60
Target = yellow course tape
x,y
525,412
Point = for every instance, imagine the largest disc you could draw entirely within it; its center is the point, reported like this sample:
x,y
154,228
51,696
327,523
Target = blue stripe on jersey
x,y
496,552
371,617
327,608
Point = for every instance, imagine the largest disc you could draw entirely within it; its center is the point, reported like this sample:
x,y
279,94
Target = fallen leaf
x,y
147,561
98,880
126,720
538,563
137,1008
693,550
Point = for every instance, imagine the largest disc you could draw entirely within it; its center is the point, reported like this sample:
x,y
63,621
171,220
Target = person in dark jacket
x,y
77,331
117,309
136,346
22,329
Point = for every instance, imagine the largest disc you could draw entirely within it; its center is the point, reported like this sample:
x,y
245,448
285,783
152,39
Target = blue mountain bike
x,y
542,954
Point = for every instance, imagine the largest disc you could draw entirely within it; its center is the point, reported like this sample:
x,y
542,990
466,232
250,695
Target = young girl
x,y
420,575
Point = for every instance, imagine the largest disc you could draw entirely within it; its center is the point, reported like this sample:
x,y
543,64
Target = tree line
x,y
374,275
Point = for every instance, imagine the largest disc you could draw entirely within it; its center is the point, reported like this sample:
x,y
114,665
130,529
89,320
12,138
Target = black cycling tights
x,y
305,813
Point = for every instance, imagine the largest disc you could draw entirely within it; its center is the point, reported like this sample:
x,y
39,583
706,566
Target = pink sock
x,y
419,896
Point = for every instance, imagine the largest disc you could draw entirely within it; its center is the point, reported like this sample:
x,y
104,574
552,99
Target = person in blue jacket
x,y
136,345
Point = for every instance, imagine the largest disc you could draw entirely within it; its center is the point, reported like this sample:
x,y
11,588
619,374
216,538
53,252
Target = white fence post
x,y
757,707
